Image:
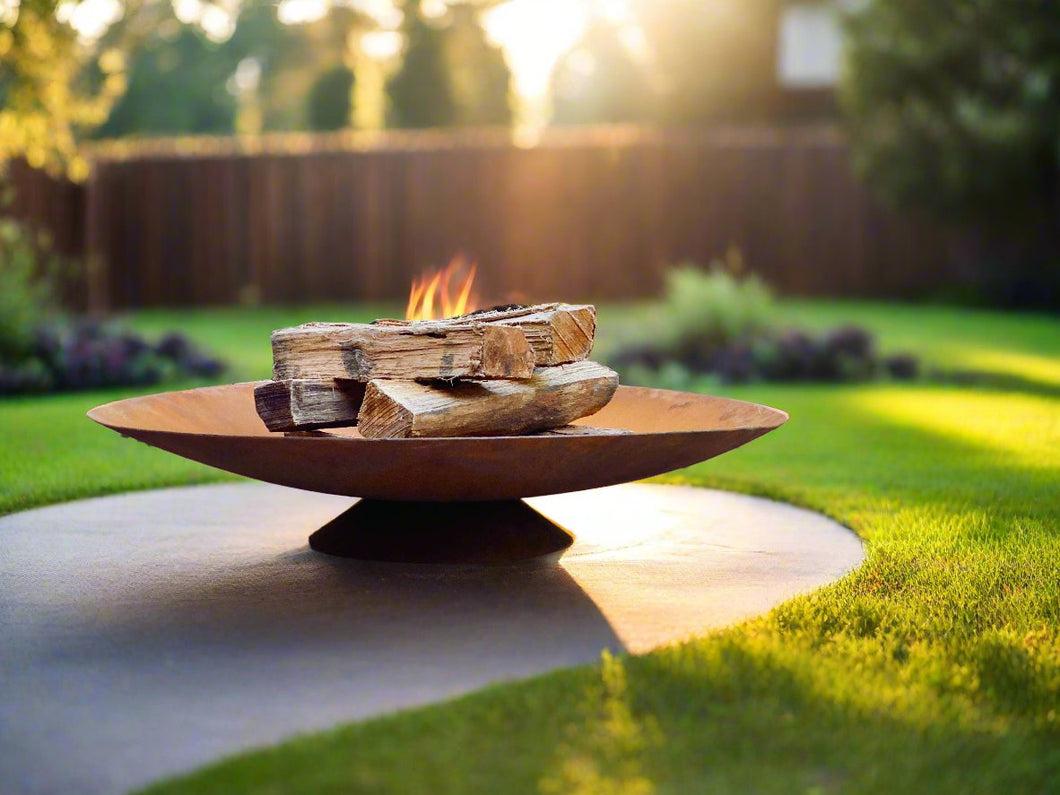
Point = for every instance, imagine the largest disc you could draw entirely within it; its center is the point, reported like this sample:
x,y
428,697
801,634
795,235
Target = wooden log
x,y
584,430
427,349
557,333
554,396
562,430
301,405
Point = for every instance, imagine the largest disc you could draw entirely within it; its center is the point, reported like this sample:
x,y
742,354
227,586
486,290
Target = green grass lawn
x,y
935,667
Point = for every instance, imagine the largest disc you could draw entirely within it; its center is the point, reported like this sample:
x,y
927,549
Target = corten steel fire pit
x,y
443,499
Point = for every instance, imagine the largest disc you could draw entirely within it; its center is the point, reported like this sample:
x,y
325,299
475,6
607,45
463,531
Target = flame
x,y
431,298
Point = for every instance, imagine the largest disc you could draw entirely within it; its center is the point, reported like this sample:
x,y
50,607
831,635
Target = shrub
x,y
844,354
902,367
706,310
951,109
26,294
42,351
717,322
87,354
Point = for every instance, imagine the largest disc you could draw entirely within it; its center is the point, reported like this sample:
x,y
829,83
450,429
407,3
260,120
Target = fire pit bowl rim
x,y
219,426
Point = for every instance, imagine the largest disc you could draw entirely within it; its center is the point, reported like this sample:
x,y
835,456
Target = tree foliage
x,y
420,93
478,73
293,58
195,74
329,105
953,106
182,65
46,101
450,74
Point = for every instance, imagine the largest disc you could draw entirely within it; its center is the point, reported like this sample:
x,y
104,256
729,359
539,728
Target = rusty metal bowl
x,y
219,426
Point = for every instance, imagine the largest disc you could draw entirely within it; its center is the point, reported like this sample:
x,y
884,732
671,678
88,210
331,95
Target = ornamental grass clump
x,y
707,311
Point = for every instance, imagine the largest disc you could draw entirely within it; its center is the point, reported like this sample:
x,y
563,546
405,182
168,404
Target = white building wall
x,y
810,45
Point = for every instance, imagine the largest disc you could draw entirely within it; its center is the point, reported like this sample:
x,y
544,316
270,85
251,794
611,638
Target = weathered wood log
x,y
427,349
552,397
301,405
584,430
557,333
562,430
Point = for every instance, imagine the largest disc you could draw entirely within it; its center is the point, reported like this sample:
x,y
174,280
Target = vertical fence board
x,y
594,214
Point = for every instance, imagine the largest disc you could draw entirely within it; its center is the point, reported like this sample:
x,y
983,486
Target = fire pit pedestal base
x,y
481,533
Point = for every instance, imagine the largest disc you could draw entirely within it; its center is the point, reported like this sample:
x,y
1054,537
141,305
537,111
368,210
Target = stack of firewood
x,y
505,371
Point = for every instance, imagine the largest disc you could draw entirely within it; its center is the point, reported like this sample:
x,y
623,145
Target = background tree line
x,y
302,76
710,61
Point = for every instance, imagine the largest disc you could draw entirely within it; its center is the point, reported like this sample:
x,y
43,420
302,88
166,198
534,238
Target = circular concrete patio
x,y
147,634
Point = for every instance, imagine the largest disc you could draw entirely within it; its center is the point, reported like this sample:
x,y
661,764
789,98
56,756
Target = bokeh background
x,y
188,152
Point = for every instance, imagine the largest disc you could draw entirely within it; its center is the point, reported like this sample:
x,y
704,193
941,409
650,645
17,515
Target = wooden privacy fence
x,y
585,214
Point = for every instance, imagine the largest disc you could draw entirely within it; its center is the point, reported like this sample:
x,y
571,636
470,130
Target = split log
x,y
563,430
557,333
584,430
300,405
554,396
578,430
427,349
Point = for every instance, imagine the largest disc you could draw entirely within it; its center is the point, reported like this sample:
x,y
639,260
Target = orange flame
x,y
431,298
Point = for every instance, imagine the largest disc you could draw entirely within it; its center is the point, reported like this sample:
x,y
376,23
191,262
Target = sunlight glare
x,y
536,34
1021,431
246,77
217,23
433,9
188,11
380,45
9,12
90,18
300,12
384,13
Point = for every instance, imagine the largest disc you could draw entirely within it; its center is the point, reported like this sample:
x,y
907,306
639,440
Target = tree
x,y
330,100
293,58
451,75
420,93
199,76
46,104
953,109
182,65
479,76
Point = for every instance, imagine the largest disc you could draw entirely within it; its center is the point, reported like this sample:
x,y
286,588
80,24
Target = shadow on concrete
x,y
148,634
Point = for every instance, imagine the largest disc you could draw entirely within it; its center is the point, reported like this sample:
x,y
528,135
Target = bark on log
x,y
301,405
557,333
429,349
554,396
